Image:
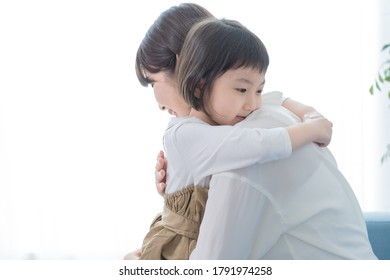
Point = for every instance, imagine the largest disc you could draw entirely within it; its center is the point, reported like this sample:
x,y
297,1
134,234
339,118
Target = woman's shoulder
x,y
177,122
275,98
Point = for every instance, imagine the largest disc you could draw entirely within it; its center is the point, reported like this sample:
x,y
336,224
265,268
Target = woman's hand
x,y
133,255
160,173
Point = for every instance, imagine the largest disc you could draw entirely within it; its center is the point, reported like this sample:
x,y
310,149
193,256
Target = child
x,y
221,73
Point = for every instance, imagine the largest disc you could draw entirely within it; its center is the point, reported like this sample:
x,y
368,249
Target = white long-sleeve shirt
x,y
196,150
300,207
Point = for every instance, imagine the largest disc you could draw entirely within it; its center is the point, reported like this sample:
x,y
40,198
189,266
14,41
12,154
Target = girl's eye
x,y
259,92
241,90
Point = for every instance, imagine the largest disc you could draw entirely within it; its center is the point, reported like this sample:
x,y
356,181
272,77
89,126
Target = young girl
x,y
221,73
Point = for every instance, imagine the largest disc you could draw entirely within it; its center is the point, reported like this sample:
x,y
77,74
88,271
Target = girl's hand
x,y
312,115
160,172
328,127
324,130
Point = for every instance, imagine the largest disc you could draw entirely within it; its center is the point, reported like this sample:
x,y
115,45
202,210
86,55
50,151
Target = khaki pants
x,y
174,232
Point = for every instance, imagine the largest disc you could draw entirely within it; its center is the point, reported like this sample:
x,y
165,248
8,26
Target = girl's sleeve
x,y
207,150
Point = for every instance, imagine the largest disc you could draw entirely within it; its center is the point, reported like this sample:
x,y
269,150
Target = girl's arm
x,y
317,130
305,113
207,150
299,135
301,110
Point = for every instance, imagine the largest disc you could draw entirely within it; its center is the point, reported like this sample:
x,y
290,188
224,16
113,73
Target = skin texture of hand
x,y
133,255
312,115
306,114
324,127
328,126
160,172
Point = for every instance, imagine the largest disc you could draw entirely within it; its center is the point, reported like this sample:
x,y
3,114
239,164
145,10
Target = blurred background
x,y
79,135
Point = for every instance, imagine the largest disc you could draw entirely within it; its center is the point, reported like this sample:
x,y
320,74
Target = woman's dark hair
x,y
164,39
211,48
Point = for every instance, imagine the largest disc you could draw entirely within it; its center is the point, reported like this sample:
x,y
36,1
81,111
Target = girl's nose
x,y
162,107
250,104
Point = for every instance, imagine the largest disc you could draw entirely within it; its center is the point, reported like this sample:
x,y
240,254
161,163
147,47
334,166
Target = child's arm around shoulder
x,y
301,110
317,130
314,127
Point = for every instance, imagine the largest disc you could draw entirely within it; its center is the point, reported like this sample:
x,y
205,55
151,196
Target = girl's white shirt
x,y
196,150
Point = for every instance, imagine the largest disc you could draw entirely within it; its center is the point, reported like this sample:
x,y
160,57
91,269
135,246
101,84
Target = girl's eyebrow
x,y
244,80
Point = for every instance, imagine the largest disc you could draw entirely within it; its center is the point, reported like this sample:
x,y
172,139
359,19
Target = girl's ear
x,y
197,92
198,89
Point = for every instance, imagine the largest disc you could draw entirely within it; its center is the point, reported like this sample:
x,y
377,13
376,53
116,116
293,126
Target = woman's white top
x,y
196,150
300,207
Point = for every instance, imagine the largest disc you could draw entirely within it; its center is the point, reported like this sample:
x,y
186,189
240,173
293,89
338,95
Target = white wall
x,y
376,123
79,135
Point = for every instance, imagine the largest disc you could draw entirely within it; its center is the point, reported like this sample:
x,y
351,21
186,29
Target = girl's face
x,y
234,95
167,95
